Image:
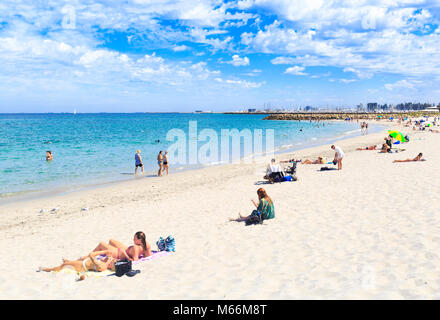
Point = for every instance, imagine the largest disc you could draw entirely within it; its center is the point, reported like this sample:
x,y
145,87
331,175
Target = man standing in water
x,y
138,162
339,154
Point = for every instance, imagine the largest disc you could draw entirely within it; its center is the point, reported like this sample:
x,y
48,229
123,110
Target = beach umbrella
x,y
397,135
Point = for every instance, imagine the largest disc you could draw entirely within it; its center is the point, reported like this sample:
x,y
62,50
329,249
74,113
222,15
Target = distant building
x,y
309,108
252,110
371,107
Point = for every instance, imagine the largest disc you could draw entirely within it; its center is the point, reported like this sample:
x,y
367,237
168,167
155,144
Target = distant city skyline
x,y
182,55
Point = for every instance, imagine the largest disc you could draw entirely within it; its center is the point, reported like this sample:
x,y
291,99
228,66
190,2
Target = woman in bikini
x,y
89,263
418,158
159,162
320,160
140,249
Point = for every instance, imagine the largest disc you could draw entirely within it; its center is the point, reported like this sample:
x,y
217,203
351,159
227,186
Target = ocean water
x,y
99,148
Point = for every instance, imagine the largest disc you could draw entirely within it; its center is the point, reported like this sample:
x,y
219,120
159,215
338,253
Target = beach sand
x,y
369,231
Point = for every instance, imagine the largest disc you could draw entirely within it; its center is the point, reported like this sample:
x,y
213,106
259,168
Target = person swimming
x,y
49,156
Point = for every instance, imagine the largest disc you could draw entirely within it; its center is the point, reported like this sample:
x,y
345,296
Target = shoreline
x,y
58,201
30,195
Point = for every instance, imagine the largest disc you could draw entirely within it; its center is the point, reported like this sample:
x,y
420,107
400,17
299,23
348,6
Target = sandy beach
x,y
370,231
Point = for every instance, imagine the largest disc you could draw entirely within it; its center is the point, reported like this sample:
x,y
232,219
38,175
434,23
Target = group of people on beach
x,y
162,161
364,127
104,256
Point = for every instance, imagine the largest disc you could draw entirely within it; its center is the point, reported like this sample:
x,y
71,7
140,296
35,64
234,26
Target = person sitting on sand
x,y
265,206
320,160
138,162
385,148
367,148
49,156
140,249
273,171
389,141
418,158
89,263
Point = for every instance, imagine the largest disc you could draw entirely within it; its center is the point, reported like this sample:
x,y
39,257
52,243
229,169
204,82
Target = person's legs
x,y
102,246
77,265
340,164
117,244
240,218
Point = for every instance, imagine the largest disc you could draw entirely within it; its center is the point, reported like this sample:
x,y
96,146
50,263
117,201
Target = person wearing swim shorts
x,y
165,162
138,162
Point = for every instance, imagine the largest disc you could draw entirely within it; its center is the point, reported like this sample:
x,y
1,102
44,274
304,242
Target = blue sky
x,y
181,55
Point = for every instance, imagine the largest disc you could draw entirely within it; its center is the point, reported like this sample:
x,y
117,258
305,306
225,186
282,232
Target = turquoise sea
x,y
99,148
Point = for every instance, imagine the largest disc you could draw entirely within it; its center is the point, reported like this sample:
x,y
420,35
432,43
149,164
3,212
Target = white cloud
x,y
239,62
283,60
296,70
241,83
402,84
180,48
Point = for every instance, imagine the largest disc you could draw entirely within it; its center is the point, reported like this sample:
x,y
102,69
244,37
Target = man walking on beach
x,y
138,162
339,154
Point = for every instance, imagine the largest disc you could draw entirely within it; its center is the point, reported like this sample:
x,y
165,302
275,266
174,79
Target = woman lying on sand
x,y
140,249
265,206
89,263
418,158
320,160
367,148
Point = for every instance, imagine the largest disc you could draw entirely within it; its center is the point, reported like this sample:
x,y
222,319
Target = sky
x,y
186,55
